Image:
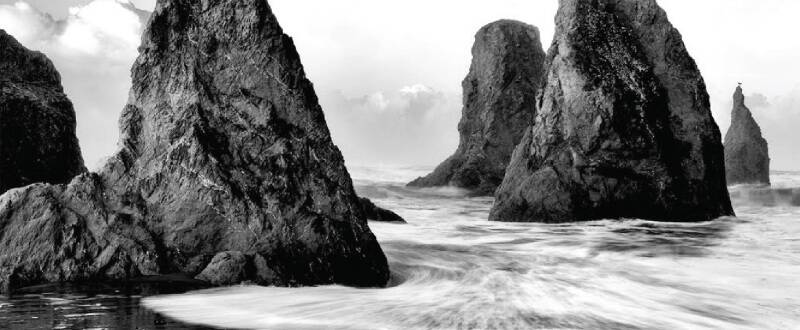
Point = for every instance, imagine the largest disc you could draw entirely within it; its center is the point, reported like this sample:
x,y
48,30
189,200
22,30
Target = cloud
x,y
757,100
109,29
93,49
412,125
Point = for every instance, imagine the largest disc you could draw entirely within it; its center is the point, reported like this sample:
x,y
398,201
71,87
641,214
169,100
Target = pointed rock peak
x,y
624,129
37,121
746,151
738,96
499,104
226,170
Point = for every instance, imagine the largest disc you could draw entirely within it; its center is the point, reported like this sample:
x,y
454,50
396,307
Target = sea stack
x,y
226,171
499,105
746,151
624,129
37,121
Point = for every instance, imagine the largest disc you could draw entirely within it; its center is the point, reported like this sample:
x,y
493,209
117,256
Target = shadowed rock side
x,y
37,121
499,104
226,170
624,128
746,151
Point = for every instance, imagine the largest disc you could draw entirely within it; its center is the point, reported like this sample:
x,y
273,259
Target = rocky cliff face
x,y
624,128
746,151
37,121
225,165
499,104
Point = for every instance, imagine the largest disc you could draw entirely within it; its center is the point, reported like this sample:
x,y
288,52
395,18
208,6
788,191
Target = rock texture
x,y
746,151
37,121
225,165
624,128
499,104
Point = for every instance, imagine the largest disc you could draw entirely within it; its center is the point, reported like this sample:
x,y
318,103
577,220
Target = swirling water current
x,y
452,269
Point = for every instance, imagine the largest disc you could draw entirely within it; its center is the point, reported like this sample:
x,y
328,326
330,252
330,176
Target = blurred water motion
x,y
452,269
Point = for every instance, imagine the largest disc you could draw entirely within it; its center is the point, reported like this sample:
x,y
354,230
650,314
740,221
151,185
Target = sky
x,y
389,72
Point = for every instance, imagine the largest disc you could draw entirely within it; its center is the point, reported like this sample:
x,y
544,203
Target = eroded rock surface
x,y
499,104
37,121
224,149
624,129
746,151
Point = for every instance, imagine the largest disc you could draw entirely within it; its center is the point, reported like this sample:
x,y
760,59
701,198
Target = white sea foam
x,y
454,270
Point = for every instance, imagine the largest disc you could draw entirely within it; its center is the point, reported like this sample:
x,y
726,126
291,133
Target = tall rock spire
x,y
624,128
746,151
226,170
37,121
499,104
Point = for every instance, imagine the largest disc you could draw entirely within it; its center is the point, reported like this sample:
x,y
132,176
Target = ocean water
x,y
452,269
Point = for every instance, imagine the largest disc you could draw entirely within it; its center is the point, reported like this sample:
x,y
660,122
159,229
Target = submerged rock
x,y
376,213
224,149
624,128
499,104
746,151
37,121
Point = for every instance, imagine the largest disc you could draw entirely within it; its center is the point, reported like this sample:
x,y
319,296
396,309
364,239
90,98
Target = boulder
x,y
746,151
224,149
499,105
37,121
624,126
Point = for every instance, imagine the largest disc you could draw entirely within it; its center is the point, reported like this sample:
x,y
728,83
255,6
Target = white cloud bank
x,y
411,126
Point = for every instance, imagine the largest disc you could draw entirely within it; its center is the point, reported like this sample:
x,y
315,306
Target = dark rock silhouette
x,y
746,151
375,213
499,105
226,170
624,128
37,121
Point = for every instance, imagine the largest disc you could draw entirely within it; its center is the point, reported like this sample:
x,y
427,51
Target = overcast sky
x,y
389,73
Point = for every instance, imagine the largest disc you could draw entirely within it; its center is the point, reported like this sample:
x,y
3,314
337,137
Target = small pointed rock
x,y
746,151
499,104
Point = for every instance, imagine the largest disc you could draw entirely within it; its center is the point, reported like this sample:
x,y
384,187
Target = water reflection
x,y
93,305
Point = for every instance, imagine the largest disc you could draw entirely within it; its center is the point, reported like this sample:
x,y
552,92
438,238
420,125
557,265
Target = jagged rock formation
x,y
37,121
746,151
499,104
624,127
225,165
